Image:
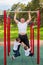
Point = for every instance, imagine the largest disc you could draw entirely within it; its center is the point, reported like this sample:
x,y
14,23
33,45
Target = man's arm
x,y
29,17
16,21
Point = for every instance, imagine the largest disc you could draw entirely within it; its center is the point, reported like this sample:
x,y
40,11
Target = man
x,y
22,28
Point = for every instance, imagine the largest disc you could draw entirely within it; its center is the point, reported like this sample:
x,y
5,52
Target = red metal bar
x,y
4,37
8,34
32,38
38,37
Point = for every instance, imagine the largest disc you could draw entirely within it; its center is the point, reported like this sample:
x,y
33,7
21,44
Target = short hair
x,y
25,47
17,39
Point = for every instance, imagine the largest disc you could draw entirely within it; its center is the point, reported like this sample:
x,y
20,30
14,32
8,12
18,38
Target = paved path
x,y
35,42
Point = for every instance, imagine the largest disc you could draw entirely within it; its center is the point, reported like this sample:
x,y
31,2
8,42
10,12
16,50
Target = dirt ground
x,y
35,43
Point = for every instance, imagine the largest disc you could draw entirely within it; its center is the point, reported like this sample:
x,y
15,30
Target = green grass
x,y
14,32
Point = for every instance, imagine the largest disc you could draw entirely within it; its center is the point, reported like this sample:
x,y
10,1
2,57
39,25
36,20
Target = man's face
x,y
22,20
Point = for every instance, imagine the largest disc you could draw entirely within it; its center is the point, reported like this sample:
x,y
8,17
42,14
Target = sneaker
x,y
31,54
13,58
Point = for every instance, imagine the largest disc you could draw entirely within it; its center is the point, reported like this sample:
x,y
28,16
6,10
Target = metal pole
x,y
8,34
32,37
4,37
23,11
38,37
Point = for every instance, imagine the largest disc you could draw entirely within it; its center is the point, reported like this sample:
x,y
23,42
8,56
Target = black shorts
x,y
24,39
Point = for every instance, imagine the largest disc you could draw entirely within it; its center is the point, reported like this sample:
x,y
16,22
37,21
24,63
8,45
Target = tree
x,y
14,7
33,5
36,4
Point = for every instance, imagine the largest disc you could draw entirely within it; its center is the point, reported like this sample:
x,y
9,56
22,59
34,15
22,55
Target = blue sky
x,y
6,4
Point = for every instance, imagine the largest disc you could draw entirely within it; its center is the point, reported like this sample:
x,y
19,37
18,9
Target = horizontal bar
x,y
20,11
23,11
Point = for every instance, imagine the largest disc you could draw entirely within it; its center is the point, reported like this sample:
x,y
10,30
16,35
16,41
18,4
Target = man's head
x,y
22,20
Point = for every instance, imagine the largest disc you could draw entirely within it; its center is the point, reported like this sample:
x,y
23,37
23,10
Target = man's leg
x,y
20,42
26,41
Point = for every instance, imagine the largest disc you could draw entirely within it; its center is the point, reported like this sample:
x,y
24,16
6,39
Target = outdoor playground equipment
x,y
31,35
